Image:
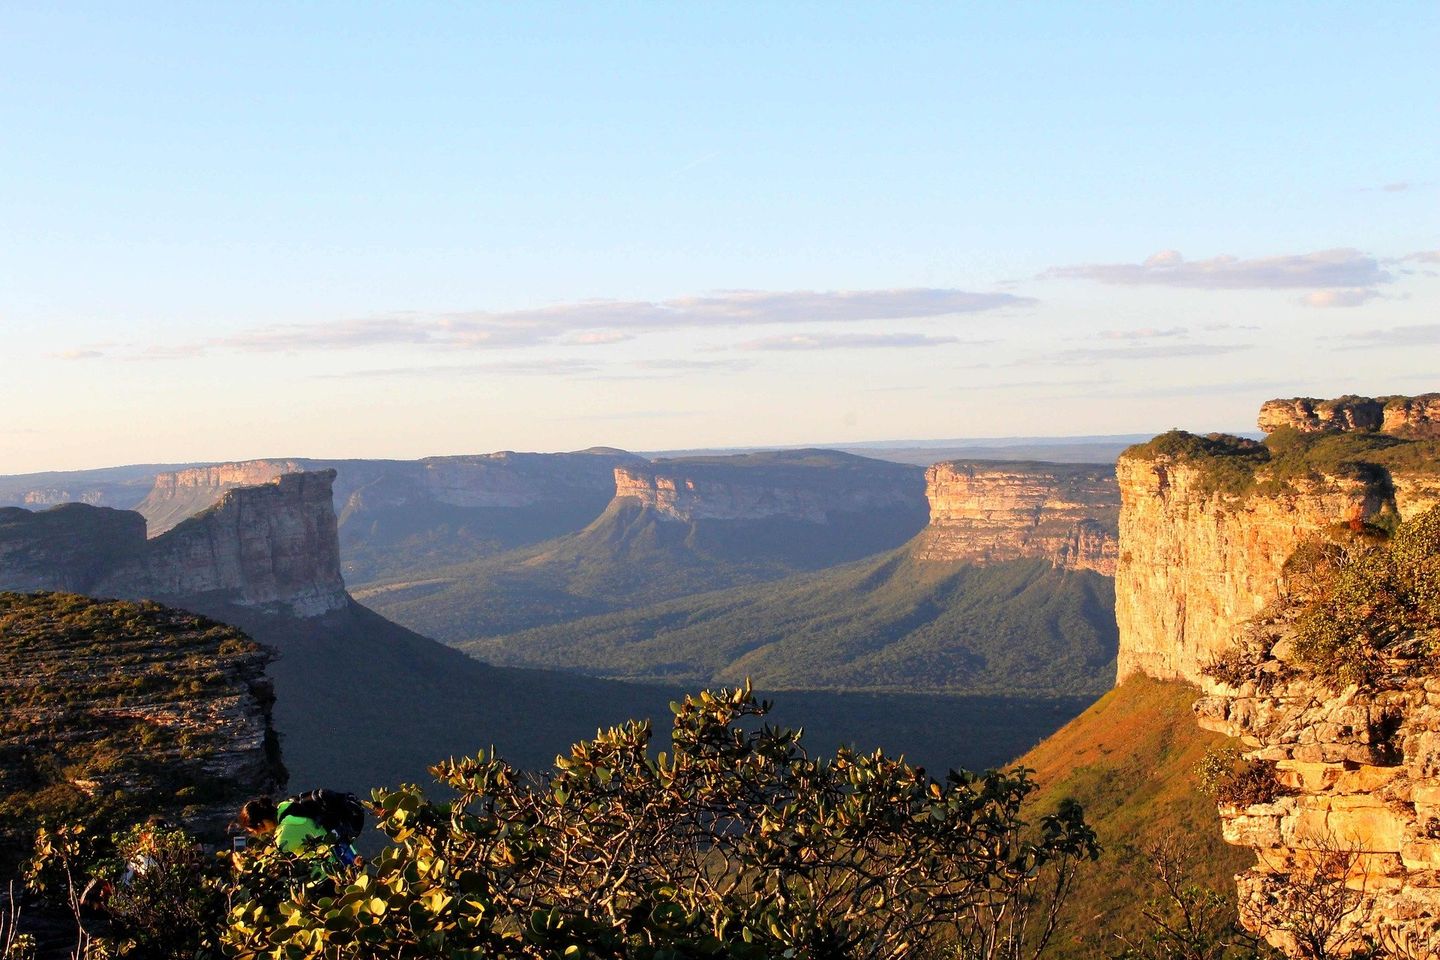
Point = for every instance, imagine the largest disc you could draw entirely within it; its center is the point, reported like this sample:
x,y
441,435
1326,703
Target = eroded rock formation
x,y
1347,817
1355,823
268,545
992,512
1401,416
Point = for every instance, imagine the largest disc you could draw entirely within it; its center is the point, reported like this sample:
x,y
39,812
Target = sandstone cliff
x,y
1206,524
273,545
1342,804
180,494
1399,416
992,512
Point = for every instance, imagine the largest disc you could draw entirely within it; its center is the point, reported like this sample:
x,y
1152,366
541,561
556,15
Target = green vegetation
x,y
1240,467
734,843
102,706
1358,602
1018,628
1131,760
1233,781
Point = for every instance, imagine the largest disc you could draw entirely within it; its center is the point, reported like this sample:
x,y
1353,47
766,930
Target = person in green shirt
x,y
293,831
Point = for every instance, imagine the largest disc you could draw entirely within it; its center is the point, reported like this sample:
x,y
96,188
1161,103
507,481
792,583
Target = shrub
x,y
1234,781
1358,602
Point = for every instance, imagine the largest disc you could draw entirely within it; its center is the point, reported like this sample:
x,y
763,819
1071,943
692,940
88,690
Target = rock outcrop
x,y
180,494
129,708
809,486
1341,802
1355,822
272,545
1400,416
993,512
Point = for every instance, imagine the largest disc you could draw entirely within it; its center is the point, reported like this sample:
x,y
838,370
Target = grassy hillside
x,y
1130,760
888,622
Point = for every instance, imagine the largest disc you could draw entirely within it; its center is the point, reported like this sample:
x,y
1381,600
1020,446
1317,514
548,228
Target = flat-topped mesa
x,y
275,543
179,494
1417,416
268,546
805,486
1207,523
992,512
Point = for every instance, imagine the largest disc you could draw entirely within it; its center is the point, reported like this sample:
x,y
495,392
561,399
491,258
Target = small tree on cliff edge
x,y
735,844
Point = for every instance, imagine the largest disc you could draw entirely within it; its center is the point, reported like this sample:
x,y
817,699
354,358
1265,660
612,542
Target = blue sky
x,y
249,230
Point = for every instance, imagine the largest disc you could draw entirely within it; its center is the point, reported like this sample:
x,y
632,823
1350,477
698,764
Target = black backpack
x,y
340,813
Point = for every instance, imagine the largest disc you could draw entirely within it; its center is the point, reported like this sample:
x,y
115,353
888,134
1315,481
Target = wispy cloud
x,y
1144,333
499,368
1415,335
844,341
1353,297
1166,351
692,365
1422,256
1322,269
591,321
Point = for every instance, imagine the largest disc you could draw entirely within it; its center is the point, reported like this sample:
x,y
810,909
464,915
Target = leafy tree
x,y
735,843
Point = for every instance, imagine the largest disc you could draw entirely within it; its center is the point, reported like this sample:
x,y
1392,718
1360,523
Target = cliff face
x,y
271,545
1357,821
806,486
1196,563
1343,812
183,493
987,513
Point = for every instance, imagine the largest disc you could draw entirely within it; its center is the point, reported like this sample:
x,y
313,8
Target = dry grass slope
x,y
1130,760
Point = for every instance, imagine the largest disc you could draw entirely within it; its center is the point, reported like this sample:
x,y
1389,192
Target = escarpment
x,y
1293,580
180,494
1207,523
809,486
128,710
272,545
993,512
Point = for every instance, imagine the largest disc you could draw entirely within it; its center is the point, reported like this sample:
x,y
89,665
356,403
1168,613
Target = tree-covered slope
x,y
630,556
894,622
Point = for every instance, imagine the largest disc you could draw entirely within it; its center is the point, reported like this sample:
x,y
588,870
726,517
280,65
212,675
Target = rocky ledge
x,y
993,512
1350,825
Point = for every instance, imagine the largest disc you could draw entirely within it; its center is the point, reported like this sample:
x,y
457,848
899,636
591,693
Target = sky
x,y
397,230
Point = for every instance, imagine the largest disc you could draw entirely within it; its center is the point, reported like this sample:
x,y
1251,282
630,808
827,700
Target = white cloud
x,y
1324,268
1352,297
838,341
1144,333
593,321
1421,334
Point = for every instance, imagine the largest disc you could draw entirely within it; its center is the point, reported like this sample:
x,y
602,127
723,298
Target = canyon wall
x,y
272,545
992,512
806,486
1342,798
179,494
1195,563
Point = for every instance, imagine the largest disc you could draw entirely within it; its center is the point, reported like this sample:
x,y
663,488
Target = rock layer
x,y
1356,823
989,513
272,545
1402,416
1195,563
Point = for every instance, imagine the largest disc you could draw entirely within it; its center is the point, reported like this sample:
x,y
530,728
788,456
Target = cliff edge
x,y
993,512
269,546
